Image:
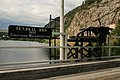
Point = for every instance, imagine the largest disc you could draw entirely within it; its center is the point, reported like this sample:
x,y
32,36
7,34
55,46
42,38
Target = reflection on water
x,y
20,54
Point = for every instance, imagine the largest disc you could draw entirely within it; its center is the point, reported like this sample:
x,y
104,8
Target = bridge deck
x,y
105,74
56,70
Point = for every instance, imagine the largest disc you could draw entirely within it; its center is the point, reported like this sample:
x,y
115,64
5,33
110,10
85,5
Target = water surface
x,y
21,54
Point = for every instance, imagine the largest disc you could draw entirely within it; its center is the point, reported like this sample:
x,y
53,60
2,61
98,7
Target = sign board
x,y
16,31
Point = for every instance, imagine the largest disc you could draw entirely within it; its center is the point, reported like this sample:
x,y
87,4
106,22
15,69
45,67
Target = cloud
x,y
31,12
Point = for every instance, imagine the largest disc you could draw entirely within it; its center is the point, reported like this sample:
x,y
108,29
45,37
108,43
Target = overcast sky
x,y
31,12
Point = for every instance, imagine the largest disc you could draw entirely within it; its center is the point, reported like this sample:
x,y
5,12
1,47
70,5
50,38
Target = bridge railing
x,y
109,46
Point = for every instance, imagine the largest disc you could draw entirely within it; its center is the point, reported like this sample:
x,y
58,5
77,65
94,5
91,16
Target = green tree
x,y
116,51
117,29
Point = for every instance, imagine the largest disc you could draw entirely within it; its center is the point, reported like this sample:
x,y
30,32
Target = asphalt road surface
x,y
105,74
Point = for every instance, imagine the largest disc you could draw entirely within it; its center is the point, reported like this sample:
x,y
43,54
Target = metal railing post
x,y
66,51
109,45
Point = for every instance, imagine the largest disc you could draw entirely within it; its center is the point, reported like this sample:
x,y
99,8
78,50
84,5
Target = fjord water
x,y
22,54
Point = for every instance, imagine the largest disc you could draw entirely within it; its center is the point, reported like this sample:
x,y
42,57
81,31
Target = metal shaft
x,y
62,40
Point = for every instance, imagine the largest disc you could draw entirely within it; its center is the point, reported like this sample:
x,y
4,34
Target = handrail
x,y
55,61
10,47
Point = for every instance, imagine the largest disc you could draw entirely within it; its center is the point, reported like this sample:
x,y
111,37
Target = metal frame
x,y
65,47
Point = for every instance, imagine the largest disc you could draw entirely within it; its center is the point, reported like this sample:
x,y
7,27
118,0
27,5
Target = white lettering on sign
x,y
25,29
30,29
41,36
18,35
42,30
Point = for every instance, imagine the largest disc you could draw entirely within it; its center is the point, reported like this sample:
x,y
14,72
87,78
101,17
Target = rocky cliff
x,y
107,11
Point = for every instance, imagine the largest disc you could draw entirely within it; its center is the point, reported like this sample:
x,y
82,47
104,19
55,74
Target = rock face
x,y
107,11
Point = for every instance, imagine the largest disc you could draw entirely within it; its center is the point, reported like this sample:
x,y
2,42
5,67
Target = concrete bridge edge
x,y
52,71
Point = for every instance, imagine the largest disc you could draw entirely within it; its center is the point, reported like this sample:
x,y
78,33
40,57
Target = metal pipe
x,y
62,40
109,45
21,47
50,39
48,61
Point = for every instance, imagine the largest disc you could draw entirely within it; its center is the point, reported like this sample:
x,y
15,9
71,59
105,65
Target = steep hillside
x,y
88,14
107,11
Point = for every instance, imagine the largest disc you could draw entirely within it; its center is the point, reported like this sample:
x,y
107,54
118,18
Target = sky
x,y
32,12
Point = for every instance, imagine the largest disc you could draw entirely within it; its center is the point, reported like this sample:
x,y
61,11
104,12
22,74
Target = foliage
x,y
116,51
3,33
70,15
89,2
117,29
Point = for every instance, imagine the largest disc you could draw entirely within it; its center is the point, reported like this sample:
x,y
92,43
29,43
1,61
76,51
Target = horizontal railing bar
x,y
115,36
41,47
35,62
57,33
59,61
6,47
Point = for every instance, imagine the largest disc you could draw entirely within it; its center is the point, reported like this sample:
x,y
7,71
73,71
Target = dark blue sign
x,y
16,31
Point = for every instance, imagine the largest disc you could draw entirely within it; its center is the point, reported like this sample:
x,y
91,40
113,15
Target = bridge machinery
x,y
87,38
